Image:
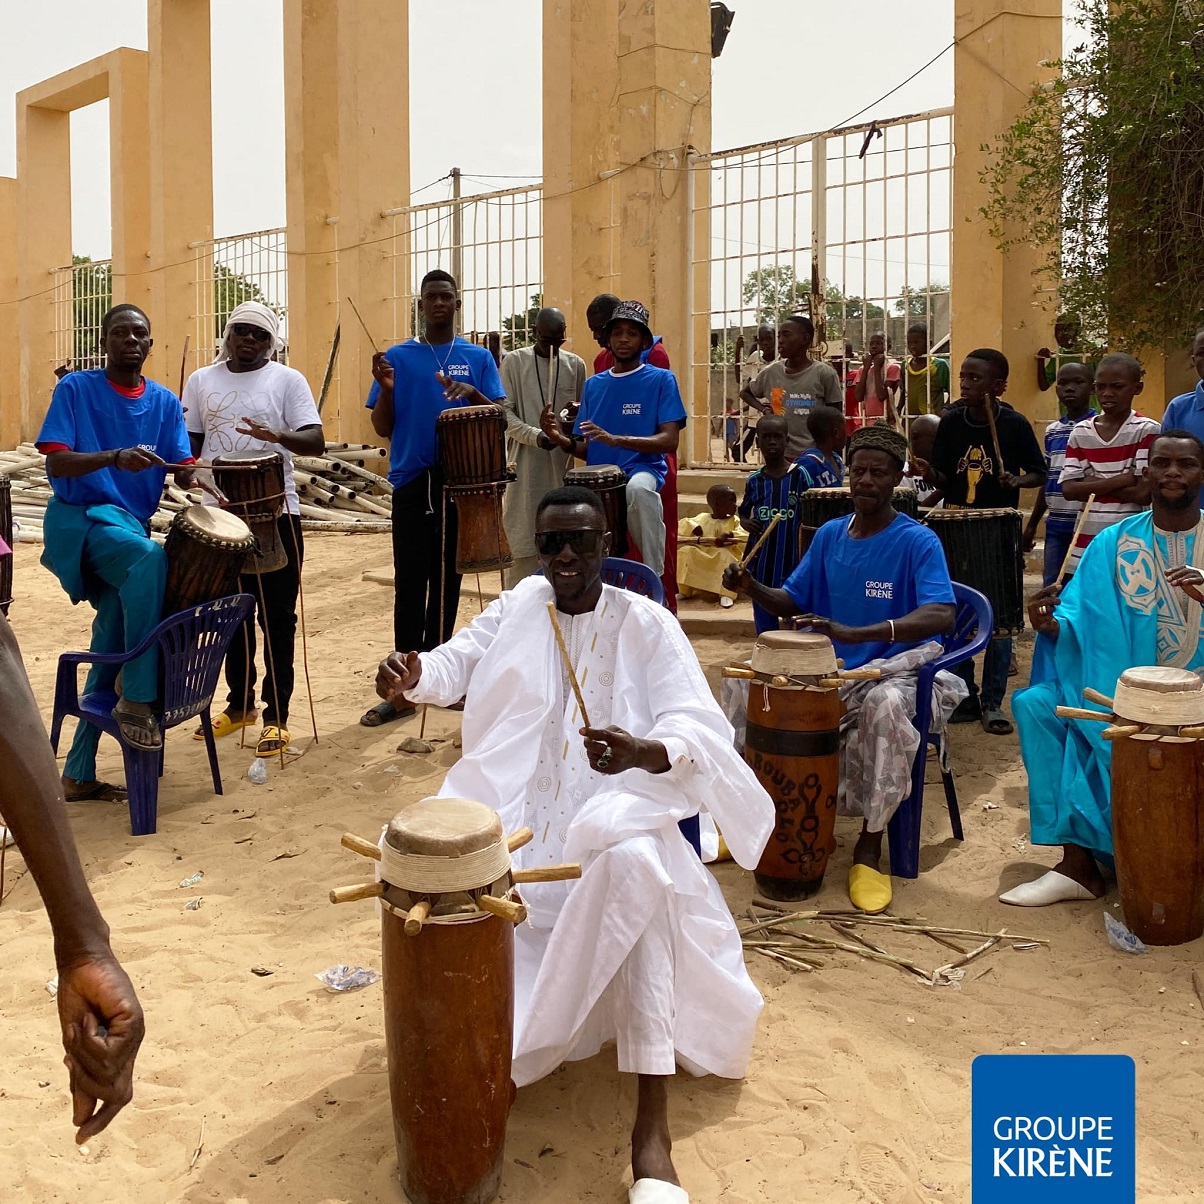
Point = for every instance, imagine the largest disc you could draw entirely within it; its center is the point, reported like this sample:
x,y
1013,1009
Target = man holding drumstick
x,y
643,949
1135,599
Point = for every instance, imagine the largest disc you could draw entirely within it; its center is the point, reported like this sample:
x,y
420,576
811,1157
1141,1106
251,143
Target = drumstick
x,y
364,325
1074,538
518,838
568,664
547,873
184,364
357,844
362,890
773,522
995,437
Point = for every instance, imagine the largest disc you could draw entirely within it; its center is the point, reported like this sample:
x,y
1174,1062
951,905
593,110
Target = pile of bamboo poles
x,y
343,490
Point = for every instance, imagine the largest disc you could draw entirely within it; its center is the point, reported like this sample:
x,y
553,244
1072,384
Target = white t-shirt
x,y
216,401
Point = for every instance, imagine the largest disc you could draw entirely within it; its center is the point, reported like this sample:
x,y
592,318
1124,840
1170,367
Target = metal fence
x,y
243,267
82,294
492,243
852,226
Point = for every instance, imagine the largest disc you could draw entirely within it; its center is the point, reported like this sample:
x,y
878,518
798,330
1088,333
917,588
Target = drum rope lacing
x,y
443,875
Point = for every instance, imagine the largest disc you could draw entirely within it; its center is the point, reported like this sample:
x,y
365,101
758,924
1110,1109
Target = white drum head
x,y
1161,695
793,654
217,526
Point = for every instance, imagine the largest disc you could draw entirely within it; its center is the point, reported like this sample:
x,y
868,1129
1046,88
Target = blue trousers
x,y
131,571
1056,545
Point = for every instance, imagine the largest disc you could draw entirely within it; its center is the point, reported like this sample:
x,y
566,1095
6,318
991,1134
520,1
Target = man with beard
x,y
1134,600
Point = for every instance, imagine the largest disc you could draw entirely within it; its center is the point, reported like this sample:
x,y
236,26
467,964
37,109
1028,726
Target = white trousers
x,y
646,519
643,996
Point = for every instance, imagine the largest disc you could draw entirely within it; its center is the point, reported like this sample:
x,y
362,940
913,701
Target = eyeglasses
x,y
242,329
584,543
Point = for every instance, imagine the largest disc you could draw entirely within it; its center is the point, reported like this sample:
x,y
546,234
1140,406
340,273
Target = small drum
x,y
984,550
253,483
792,744
818,506
6,536
472,454
206,548
610,484
1157,820
449,999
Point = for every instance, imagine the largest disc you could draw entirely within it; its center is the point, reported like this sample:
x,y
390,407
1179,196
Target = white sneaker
x,y
727,603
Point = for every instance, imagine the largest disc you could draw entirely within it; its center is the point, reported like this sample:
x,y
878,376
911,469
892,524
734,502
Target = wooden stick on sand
x,y
773,522
1074,538
568,664
355,310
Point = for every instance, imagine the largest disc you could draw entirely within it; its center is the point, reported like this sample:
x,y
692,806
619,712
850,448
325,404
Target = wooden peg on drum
x,y
1082,713
362,890
1095,696
1120,731
357,844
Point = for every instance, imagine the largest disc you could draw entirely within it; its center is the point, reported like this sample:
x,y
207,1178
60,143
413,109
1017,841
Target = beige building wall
x,y
10,367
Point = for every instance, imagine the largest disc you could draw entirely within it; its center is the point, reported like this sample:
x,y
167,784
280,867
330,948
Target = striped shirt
x,y
1062,515
765,496
1089,455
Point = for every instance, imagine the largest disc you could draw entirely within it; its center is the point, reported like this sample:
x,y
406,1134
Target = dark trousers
x,y
275,597
424,554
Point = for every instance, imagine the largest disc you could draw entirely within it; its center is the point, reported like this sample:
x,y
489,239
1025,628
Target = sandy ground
x,y
859,1089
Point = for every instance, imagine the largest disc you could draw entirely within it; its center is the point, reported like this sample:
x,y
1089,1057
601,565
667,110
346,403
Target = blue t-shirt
x,y
821,472
87,414
765,498
1186,412
418,398
634,403
860,582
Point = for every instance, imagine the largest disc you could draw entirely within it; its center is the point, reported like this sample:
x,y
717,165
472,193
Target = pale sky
x,y
789,67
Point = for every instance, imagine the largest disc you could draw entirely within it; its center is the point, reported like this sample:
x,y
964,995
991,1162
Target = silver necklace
x,y
430,346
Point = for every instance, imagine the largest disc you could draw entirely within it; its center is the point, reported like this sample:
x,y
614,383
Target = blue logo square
x,y
1053,1129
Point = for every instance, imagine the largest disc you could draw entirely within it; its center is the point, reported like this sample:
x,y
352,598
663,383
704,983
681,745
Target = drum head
x,y
598,476
217,526
1161,695
444,827
793,654
262,458
470,414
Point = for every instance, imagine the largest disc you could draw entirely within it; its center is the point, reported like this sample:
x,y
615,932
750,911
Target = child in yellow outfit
x,y
700,568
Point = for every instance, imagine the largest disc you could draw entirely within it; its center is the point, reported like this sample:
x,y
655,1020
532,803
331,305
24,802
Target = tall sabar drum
x,y
610,484
1157,787
819,506
472,454
792,744
984,550
253,483
206,549
6,534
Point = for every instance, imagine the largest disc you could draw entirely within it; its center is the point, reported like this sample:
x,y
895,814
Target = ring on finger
x,y
605,759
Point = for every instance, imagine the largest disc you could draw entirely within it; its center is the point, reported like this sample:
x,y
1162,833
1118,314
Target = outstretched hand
x,y
396,674
102,1030
1189,579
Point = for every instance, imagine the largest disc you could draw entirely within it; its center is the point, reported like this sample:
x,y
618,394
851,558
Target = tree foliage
x,y
776,292
519,329
231,289
1106,170
91,297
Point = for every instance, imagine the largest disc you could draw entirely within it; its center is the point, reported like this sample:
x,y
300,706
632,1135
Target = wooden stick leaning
x,y
568,664
364,325
1074,538
184,364
991,403
773,522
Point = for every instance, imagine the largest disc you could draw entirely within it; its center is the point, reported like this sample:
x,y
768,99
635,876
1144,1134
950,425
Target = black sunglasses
x,y
242,329
548,543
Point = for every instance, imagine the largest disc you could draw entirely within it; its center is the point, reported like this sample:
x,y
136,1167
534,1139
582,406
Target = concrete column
x,y
372,170
129,175
181,178
996,301
10,373
311,137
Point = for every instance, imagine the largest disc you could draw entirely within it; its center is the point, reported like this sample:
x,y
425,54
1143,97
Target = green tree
x,y
91,297
520,328
231,289
847,315
916,302
1105,172
776,292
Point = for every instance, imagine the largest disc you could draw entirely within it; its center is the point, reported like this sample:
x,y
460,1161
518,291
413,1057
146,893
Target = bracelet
x,y
117,455
891,624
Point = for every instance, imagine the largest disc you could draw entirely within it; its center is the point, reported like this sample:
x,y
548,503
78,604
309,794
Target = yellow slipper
x,y
869,889
272,741
223,725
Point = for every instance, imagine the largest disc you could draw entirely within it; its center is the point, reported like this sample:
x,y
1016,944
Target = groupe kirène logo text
x,y
1049,1128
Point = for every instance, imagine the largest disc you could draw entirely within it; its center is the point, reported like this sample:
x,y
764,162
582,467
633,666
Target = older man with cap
x,y
885,575
631,416
247,401
537,379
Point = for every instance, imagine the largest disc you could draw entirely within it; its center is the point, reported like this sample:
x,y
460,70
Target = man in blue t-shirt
x,y
108,437
631,416
885,576
1186,411
414,383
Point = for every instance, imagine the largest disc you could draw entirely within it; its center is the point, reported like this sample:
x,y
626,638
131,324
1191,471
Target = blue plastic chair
x,y
972,631
634,576
192,647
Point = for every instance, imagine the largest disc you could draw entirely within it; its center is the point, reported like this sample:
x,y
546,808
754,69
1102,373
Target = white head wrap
x,y
253,313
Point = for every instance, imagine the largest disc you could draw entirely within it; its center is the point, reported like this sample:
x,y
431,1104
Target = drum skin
x,y
792,744
610,484
1158,837
449,1022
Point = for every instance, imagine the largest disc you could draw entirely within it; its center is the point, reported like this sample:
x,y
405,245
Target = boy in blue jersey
x,y
821,463
414,382
108,437
631,416
772,491
885,576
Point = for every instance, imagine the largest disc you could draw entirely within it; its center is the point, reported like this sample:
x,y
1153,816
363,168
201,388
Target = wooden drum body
x,y
253,483
6,534
984,550
472,453
610,484
819,506
205,550
792,744
1157,824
